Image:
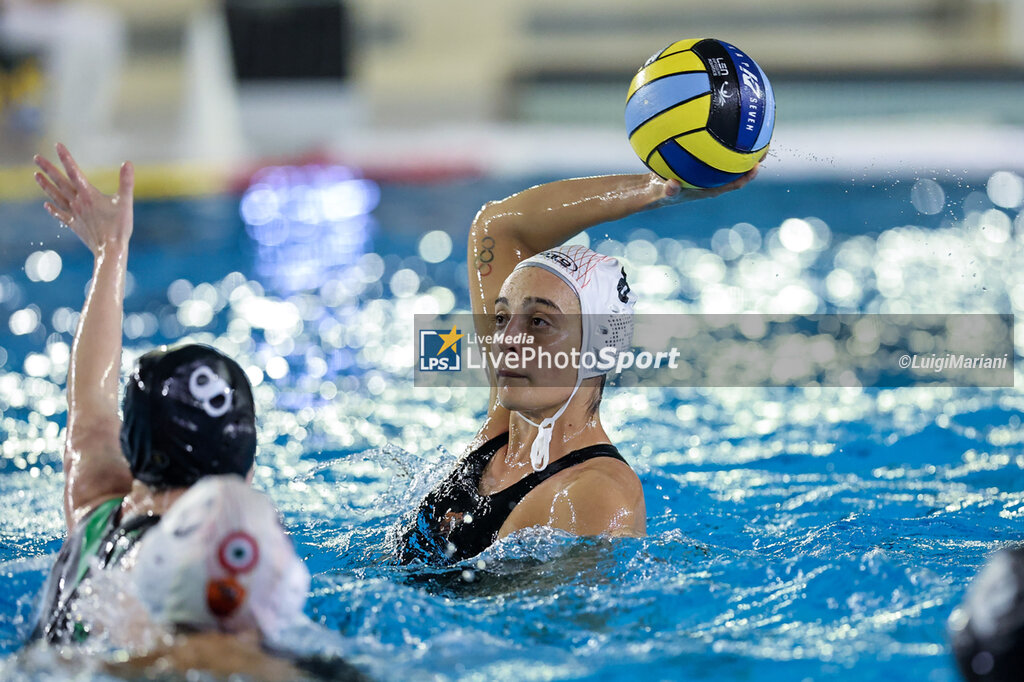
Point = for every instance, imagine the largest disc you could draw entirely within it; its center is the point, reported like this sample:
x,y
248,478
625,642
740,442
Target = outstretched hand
x,y
669,192
100,220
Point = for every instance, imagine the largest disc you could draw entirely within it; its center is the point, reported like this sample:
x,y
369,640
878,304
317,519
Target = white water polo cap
x,y
606,301
606,307
219,559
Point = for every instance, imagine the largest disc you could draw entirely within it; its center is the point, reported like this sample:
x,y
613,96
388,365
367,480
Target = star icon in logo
x,y
450,339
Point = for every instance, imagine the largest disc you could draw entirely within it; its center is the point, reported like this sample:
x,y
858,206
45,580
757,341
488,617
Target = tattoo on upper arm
x,y
484,256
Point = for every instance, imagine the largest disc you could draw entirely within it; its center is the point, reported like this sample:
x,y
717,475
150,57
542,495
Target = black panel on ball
x,y
724,120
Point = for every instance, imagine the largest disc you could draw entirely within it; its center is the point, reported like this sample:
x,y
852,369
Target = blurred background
x,y
201,88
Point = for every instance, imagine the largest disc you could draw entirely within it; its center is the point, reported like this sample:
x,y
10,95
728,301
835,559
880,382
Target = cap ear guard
x,y
610,323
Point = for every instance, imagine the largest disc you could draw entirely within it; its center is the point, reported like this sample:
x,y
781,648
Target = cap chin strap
x,y
540,451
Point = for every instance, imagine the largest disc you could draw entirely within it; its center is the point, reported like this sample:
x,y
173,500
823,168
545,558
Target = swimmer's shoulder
x,y
597,484
601,496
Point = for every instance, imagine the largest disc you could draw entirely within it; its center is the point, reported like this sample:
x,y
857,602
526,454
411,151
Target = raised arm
x,y
94,468
508,231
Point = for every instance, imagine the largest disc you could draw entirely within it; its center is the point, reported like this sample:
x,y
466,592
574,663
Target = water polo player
x,y
219,580
541,457
188,411
986,630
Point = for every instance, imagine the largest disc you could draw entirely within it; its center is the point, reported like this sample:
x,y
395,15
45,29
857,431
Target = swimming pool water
x,y
793,533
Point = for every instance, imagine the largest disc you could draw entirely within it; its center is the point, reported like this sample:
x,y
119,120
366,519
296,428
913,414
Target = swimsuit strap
x,y
124,537
514,494
475,462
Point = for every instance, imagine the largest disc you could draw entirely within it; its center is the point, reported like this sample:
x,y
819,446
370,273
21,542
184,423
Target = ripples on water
x,y
794,533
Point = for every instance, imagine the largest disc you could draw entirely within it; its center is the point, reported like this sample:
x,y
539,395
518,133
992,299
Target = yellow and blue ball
x,y
700,111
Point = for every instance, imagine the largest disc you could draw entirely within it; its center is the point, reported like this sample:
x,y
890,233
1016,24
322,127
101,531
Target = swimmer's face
x,y
537,303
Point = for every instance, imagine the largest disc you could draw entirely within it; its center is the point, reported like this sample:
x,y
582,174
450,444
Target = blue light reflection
x,y
307,222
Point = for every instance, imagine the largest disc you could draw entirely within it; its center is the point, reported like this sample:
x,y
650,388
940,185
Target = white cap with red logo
x,y
219,559
606,307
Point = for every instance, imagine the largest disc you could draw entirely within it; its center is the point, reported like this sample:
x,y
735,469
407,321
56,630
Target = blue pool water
x,y
793,533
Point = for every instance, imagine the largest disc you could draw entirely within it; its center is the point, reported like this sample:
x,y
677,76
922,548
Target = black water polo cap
x,y
987,629
188,413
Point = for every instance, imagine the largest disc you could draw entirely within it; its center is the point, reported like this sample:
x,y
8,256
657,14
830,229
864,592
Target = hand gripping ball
x,y
700,111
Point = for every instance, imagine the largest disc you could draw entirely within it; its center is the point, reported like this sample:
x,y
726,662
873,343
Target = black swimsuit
x,y
456,522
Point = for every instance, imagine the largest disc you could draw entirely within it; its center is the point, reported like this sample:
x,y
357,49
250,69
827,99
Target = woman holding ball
x,y
541,456
700,112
